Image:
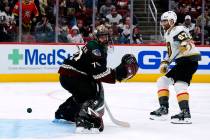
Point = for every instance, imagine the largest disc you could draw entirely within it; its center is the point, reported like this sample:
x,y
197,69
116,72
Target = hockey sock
x,y
183,100
163,96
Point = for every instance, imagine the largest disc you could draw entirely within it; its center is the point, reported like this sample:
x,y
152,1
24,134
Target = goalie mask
x,y
102,34
168,19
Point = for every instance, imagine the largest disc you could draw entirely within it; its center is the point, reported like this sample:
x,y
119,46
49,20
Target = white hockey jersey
x,y
174,38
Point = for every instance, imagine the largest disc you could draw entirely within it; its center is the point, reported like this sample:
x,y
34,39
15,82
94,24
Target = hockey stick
x,y
115,121
175,56
171,60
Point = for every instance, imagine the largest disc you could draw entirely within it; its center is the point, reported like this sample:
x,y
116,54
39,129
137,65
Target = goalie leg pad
x,y
90,116
68,110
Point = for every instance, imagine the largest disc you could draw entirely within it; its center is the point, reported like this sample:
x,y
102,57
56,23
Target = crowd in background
x,y
75,20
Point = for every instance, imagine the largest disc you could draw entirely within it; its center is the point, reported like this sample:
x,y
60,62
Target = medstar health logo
x,y
15,56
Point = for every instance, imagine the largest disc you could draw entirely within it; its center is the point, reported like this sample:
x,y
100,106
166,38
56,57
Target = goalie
x,y
82,75
181,49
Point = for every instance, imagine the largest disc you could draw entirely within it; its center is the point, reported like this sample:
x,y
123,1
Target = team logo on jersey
x,y
27,13
96,52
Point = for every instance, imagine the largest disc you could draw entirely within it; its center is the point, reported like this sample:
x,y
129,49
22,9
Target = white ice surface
x,y
130,102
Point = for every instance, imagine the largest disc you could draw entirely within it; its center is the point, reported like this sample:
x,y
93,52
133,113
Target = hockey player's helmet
x,y
101,30
102,33
168,17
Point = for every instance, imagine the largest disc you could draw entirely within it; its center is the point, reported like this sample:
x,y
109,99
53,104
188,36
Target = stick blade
x,y
115,121
121,123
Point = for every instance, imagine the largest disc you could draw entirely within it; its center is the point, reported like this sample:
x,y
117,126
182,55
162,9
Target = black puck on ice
x,y
29,110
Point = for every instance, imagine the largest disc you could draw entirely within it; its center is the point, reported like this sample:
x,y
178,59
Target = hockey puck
x,y
29,110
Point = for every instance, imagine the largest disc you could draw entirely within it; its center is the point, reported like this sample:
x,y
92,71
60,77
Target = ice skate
x,y
89,127
183,117
159,114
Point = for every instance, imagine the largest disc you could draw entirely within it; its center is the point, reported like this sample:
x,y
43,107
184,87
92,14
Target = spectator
x,y
3,4
10,24
188,24
8,30
106,9
114,17
82,6
75,36
197,35
3,33
113,35
44,30
137,36
116,34
181,13
206,21
7,10
63,30
89,10
29,14
135,20
83,29
125,32
74,8
50,11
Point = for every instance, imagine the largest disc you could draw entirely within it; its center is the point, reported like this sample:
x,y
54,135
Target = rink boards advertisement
x,y
30,62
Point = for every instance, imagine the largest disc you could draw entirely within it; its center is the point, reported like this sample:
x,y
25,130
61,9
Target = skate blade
x,y
82,130
159,118
185,121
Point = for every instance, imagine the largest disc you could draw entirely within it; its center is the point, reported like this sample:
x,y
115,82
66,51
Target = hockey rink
x,y
130,102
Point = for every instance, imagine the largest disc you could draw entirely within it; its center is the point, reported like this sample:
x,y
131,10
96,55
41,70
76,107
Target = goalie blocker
x,y
127,68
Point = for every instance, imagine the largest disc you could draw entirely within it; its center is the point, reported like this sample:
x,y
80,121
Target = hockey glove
x,y
164,67
185,47
127,68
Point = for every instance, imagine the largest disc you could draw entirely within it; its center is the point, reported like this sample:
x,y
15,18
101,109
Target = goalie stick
x,y
115,121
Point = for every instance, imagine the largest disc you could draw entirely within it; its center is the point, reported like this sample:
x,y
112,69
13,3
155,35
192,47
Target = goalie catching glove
x,y
127,68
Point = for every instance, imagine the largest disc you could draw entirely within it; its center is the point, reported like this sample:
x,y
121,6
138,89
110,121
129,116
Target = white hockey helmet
x,y
169,15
